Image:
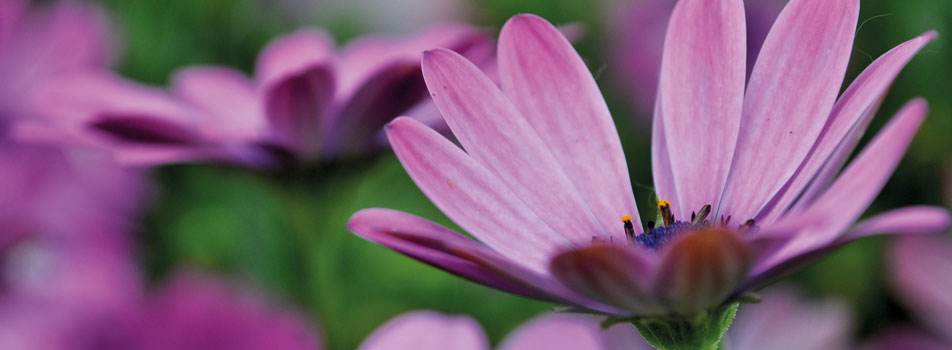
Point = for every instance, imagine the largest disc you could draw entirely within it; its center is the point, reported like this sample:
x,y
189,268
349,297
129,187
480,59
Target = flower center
x,y
666,227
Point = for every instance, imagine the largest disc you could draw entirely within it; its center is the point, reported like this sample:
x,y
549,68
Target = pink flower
x,y
195,312
191,312
749,174
429,330
919,270
307,101
778,323
41,43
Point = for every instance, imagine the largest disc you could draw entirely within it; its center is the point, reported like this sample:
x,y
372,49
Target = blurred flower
x,y
306,102
543,179
194,312
65,248
639,29
191,313
425,330
40,43
784,320
919,270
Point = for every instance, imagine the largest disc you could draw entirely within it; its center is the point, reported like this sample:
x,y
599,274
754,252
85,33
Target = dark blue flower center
x,y
666,228
658,236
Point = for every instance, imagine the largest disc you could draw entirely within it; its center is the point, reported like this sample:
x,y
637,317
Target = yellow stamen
x,y
626,218
663,203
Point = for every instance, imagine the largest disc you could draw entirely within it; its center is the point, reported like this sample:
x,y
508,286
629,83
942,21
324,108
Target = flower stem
x,y
703,331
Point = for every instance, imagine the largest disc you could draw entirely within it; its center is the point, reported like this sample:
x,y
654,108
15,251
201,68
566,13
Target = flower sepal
x,y
703,331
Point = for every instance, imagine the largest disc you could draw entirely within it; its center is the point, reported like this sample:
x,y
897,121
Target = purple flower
x,y
748,174
194,312
919,270
37,44
778,323
190,313
638,34
307,101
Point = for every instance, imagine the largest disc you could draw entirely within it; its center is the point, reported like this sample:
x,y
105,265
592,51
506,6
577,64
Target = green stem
x,y
703,331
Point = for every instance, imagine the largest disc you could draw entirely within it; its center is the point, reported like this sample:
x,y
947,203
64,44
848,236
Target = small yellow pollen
x,y
663,203
626,218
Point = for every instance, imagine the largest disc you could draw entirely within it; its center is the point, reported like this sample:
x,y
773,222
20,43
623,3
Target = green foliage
x,y
701,332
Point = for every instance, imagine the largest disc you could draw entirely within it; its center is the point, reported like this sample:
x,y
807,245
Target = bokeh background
x,y
284,231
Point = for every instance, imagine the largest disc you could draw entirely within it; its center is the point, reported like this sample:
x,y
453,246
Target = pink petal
x,y
701,270
853,191
907,220
472,196
919,267
847,122
783,318
792,89
555,332
450,251
547,81
225,95
364,58
296,78
11,12
665,186
616,275
390,93
427,330
47,42
701,96
494,133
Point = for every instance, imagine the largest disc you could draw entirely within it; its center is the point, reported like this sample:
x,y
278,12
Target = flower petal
x,y
459,255
557,331
392,92
427,330
494,133
907,220
847,123
547,81
661,172
781,320
227,97
701,95
790,95
700,270
853,191
616,275
296,78
472,196
920,272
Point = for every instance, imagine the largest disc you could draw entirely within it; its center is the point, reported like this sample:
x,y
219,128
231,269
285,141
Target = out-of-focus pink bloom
x,y
919,269
785,320
190,313
638,37
426,330
66,277
193,313
307,101
37,44
782,321
751,183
